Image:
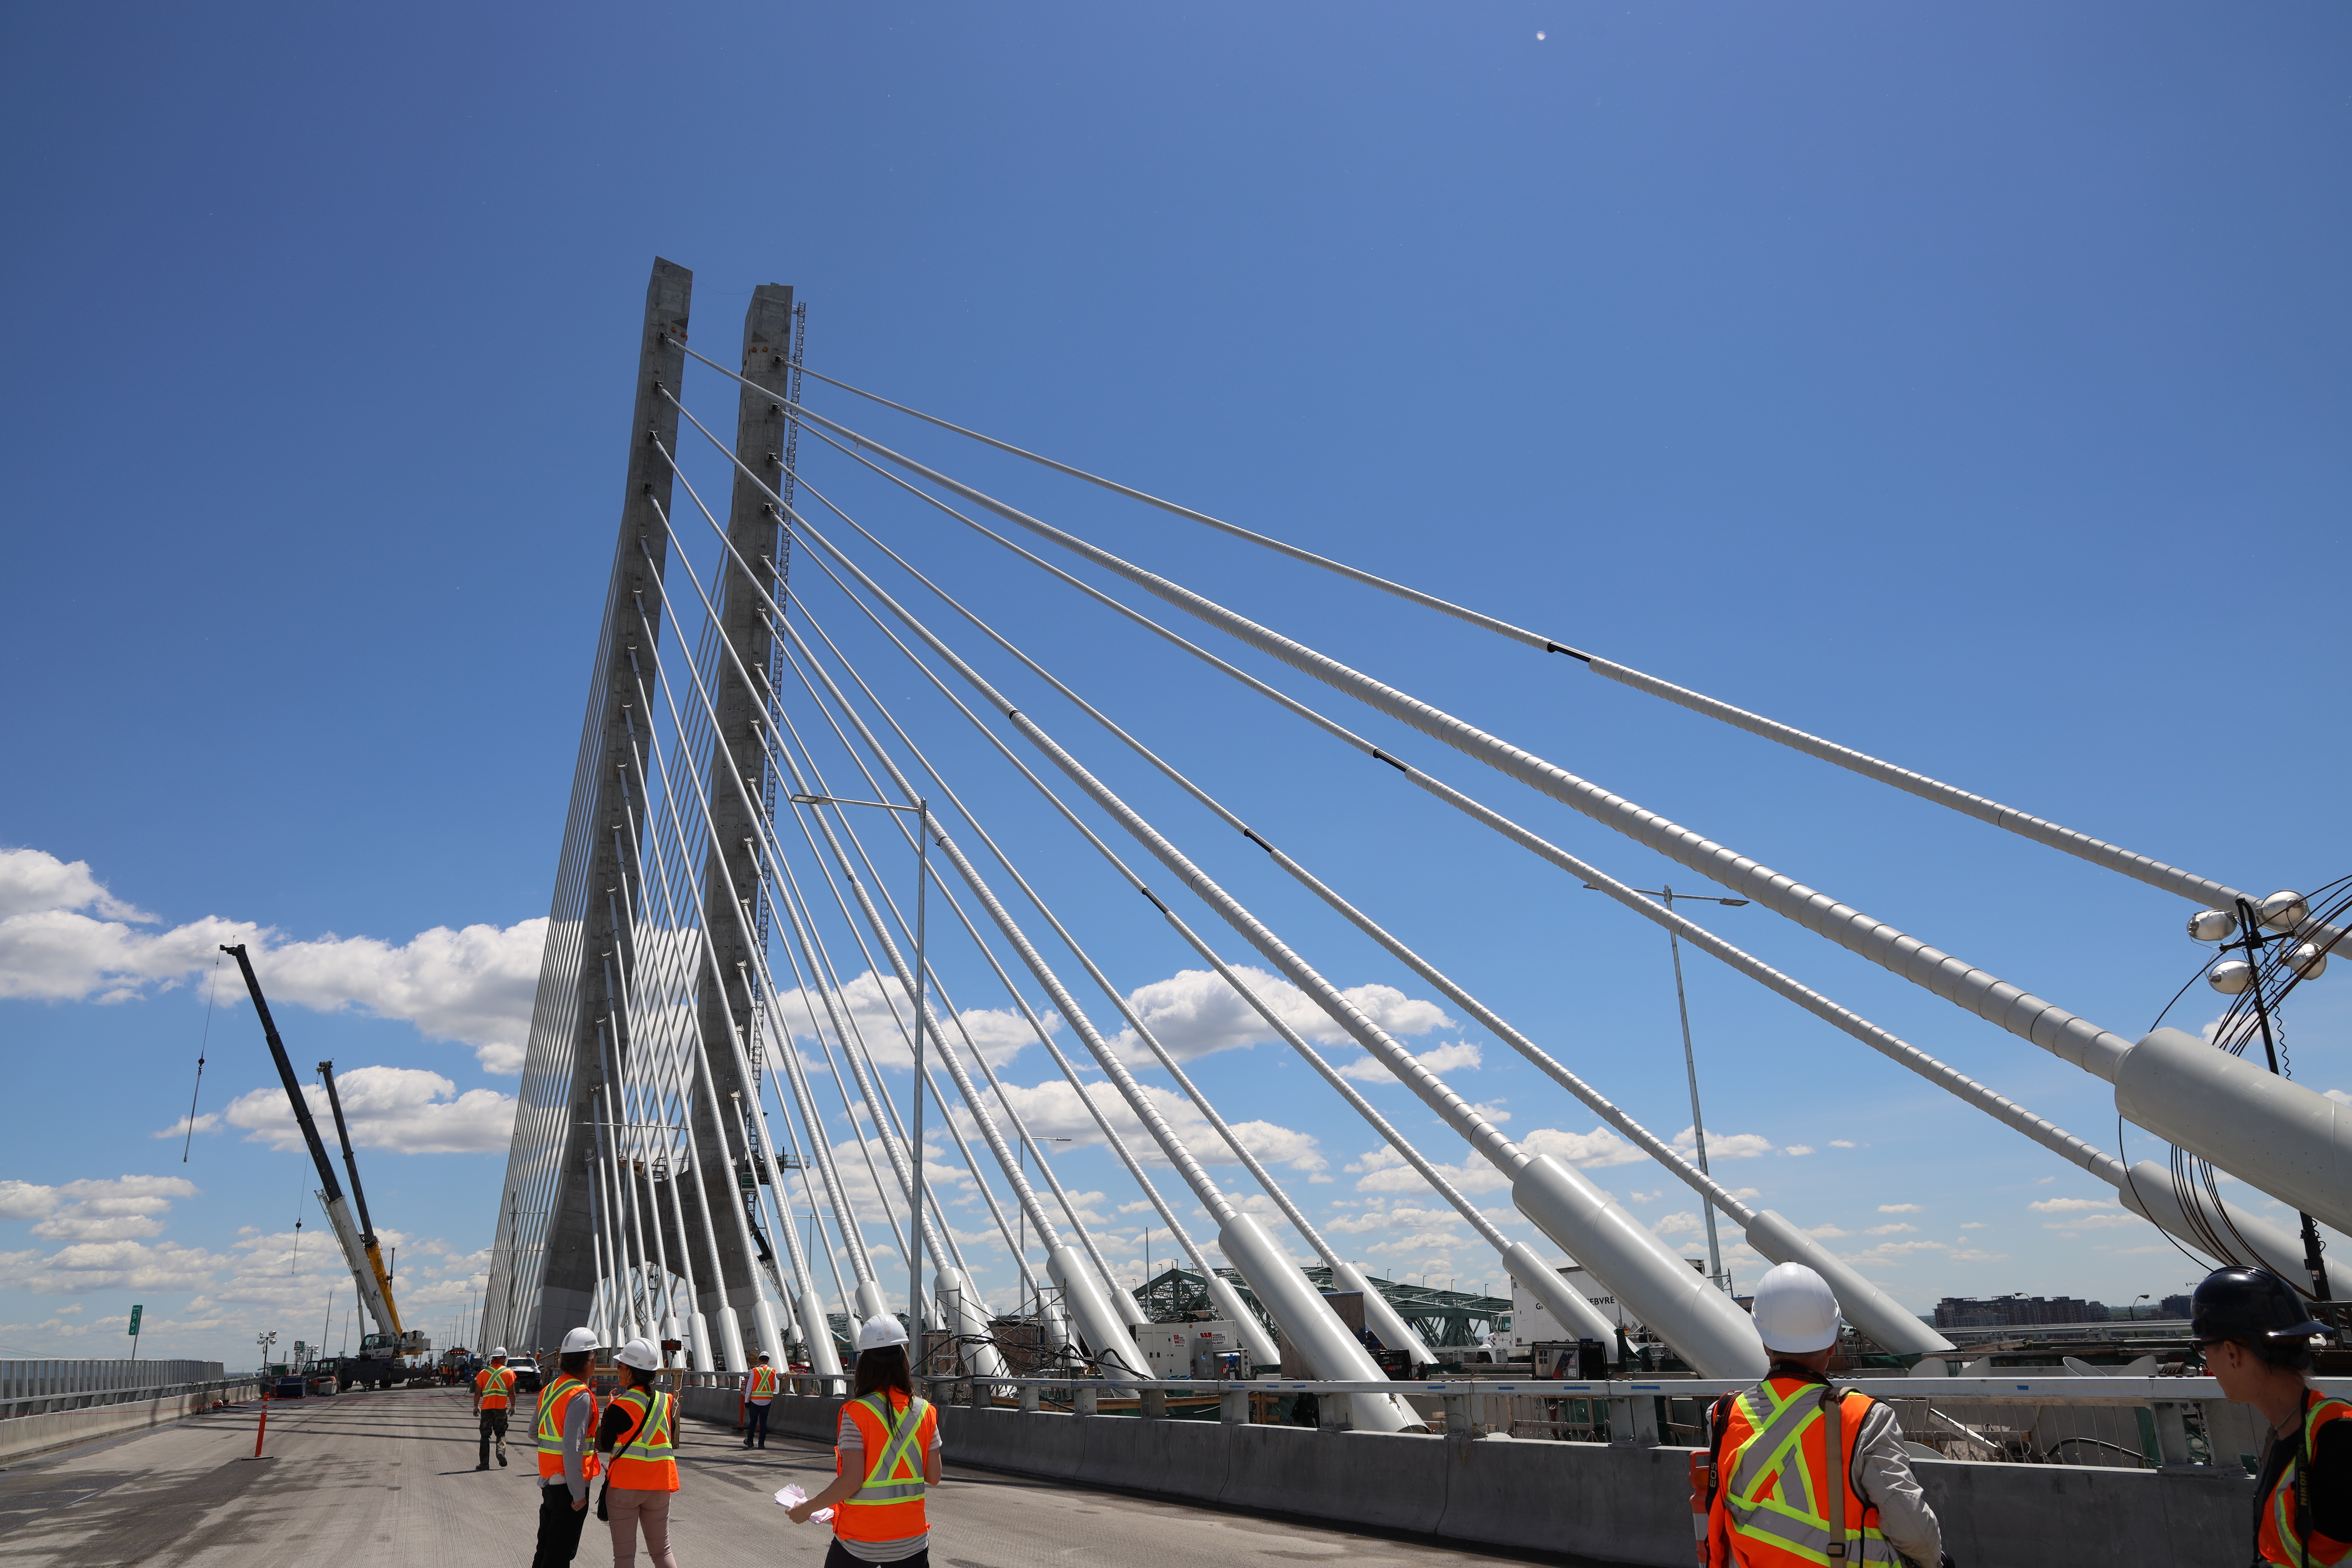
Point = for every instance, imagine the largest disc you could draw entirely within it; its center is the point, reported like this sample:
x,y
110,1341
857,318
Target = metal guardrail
x,y
41,1376
92,1398
2136,1422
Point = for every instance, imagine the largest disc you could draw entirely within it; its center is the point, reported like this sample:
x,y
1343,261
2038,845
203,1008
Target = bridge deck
x,y
387,1480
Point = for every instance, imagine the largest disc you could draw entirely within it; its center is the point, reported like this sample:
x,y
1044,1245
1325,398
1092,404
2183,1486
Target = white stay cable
x,y
2030,1018
1967,1089
906,788
1429,1172
1021,1134
1066,1005
2140,868
844,1212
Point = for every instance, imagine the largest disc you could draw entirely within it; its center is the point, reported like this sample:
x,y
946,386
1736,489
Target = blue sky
x,y
1966,386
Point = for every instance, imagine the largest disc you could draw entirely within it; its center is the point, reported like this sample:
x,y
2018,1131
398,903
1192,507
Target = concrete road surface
x,y
387,1480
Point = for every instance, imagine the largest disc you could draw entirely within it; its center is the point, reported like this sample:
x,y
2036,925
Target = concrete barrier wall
x,y
1618,1504
23,1437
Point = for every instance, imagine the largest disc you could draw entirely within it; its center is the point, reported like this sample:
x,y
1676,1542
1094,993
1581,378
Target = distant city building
x,y
2176,1307
2016,1311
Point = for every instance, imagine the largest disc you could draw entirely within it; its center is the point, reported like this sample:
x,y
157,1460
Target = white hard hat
x,y
500,1354
1795,1310
881,1332
579,1340
641,1354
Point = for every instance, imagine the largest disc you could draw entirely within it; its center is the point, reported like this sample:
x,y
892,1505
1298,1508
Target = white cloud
x,y
1828,1232
1892,1229
111,1265
1798,1149
1726,1145
876,1009
115,1209
2095,1222
1194,1013
1441,1059
2069,1206
1589,1150
406,1110
2339,1097
1679,1224
1842,1143
1053,1109
1899,1209
63,938
1972,1224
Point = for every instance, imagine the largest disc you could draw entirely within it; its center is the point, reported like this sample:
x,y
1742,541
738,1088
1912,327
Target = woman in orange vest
x,y
2256,1334
885,1453
639,1438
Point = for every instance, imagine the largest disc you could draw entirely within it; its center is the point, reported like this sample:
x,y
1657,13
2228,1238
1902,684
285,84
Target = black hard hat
x,y
2250,1304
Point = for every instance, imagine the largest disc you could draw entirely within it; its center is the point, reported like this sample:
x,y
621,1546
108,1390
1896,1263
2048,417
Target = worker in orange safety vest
x,y
493,1392
2256,1335
567,1453
1804,1473
885,1453
758,1389
638,1437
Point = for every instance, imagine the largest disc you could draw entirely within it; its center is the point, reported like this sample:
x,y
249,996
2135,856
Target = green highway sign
x,y
134,1320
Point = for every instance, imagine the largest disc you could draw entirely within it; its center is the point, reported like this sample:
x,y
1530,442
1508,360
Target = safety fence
x,y
2133,1423
31,1387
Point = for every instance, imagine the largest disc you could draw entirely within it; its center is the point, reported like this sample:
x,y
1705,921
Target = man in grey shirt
x,y
1775,1446
566,1422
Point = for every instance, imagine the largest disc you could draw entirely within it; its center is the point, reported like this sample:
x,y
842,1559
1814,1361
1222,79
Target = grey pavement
x,y
387,1480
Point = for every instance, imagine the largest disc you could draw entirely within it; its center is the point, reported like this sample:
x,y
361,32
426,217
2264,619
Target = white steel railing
x,y
245,1387
49,1377
2131,1422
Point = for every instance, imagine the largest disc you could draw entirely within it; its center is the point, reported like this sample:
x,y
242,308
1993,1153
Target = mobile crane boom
x,y
367,1226
366,1266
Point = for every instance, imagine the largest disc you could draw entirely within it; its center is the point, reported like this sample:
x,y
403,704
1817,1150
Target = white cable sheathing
x,y
818,1341
1707,1329
1543,1282
2023,1014
1352,1361
2140,868
2149,1192
1864,1303
844,1212
1021,1134
2292,1143
2082,846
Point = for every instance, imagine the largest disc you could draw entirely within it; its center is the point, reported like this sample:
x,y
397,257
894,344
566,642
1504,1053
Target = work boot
x,y
502,1458
483,1466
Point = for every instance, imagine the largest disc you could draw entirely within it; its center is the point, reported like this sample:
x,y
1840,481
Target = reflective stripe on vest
x,y
888,1505
2281,1539
1775,1492
763,1382
552,1401
650,1461
495,1383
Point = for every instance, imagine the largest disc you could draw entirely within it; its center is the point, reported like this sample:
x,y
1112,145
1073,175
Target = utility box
x,y
1573,1361
1186,1350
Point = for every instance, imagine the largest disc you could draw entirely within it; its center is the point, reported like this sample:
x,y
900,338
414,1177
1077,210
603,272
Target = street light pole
x,y
1665,895
922,812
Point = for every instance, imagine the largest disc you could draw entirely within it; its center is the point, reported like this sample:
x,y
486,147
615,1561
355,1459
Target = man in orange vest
x,y
2256,1334
493,1392
567,1454
1776,1447
885,1453
758,1390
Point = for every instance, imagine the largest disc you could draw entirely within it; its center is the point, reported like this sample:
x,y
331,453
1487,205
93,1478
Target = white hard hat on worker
x,y
1796,1310
641,1354
579,1340
881,1332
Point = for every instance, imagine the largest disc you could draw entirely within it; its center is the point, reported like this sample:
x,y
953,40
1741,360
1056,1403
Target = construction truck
x,y
381,1362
